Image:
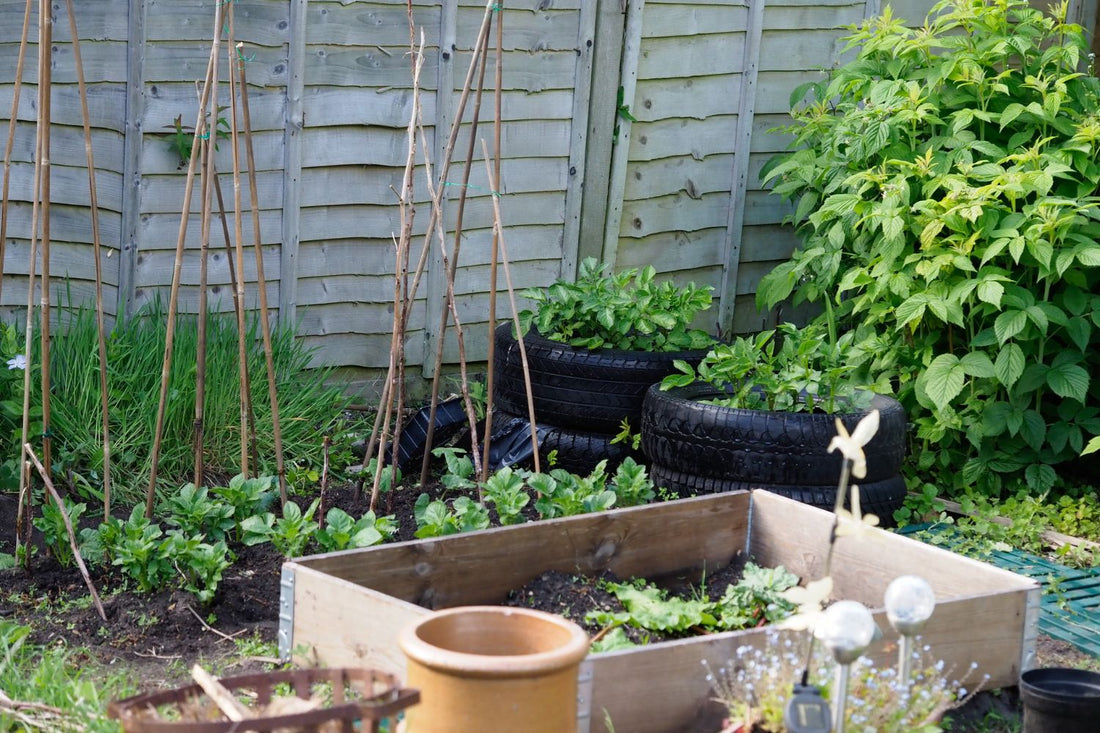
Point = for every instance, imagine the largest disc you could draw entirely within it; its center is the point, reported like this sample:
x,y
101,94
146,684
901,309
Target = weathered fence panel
x,y
633,131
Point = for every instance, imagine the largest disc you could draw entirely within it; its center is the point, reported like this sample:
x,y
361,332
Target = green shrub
x,y
626,310
945,184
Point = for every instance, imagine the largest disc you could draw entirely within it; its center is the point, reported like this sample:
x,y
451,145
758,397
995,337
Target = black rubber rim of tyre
x,y
881,498
592,390
786,448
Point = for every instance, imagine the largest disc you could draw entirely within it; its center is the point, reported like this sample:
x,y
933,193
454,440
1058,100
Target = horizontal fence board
x,y
369,24
535,30
186,62
698,98
796,50
159,231
106,104
682,136
528,71
62,292
165,193
254,21
166,100
155,266
68,261
352,317
67,146
676,212
104,61
689,56
652,179
67,224
68,185
219,297
687,18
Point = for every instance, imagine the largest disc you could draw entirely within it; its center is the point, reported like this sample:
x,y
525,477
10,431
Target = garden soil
x,y
159,636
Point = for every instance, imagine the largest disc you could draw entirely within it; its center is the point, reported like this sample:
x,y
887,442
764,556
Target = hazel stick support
x,y
261,282
498,227
68,528
101,327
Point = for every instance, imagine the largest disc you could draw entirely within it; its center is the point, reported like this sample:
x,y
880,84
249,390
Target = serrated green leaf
x,y
1040,477
990,291
1009,324
1009,364
1068,380
1033,430
943,380
978,364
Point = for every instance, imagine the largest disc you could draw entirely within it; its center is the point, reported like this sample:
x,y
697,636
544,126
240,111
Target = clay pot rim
x,y
569,653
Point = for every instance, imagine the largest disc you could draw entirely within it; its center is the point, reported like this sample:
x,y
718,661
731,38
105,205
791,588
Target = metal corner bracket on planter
x,y
348,608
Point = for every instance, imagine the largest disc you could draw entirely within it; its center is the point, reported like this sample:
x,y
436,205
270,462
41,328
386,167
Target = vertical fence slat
x,y
131,151
620,155
731,257
578,144
292,165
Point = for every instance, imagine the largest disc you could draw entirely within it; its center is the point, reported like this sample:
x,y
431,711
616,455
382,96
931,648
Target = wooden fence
x,y
704,81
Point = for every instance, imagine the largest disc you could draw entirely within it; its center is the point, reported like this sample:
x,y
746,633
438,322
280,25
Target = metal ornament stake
x,y
846,628
909,604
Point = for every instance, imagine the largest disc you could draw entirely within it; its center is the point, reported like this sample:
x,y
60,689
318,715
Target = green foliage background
x,y
945,185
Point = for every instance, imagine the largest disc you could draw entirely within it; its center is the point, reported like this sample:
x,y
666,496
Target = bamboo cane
x,y
238,231
9,146
499,226
173,299
207,186
101,327
490,356
28,336
24,504
261,283
400,292
45,85
450,266
445,164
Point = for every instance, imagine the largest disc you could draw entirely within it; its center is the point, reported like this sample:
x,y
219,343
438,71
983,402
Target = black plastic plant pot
x,y
1058,700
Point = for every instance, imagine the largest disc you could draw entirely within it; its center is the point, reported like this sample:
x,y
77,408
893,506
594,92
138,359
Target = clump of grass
x,y
49,688
308,405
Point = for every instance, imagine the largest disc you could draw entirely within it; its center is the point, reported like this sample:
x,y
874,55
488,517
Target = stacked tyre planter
x,y
581,396
694,447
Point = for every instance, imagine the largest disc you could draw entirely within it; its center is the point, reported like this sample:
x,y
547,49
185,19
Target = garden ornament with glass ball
x,y
846,628
909,604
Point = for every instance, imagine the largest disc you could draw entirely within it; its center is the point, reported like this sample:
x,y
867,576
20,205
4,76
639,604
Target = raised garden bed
x,y
346,609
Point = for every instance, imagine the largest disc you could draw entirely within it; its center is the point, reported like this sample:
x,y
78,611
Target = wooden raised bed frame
x,y
346,608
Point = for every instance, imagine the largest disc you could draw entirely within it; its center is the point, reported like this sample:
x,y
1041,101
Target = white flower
x,y
19,361
810,601
854,523
851,446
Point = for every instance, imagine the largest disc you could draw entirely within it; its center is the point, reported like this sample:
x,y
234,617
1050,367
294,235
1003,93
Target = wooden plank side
x,y
698,138
482,567
329,619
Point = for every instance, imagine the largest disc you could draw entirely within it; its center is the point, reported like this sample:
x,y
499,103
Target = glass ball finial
x,y
909,603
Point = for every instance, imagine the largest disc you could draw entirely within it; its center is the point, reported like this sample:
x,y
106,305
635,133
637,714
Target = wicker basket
x,y
351,695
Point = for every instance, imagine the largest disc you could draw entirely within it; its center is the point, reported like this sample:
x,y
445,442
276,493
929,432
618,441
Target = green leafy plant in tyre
x,y
626,310
945,186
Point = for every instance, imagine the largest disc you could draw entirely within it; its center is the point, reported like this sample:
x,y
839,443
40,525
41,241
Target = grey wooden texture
x,y
330,98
